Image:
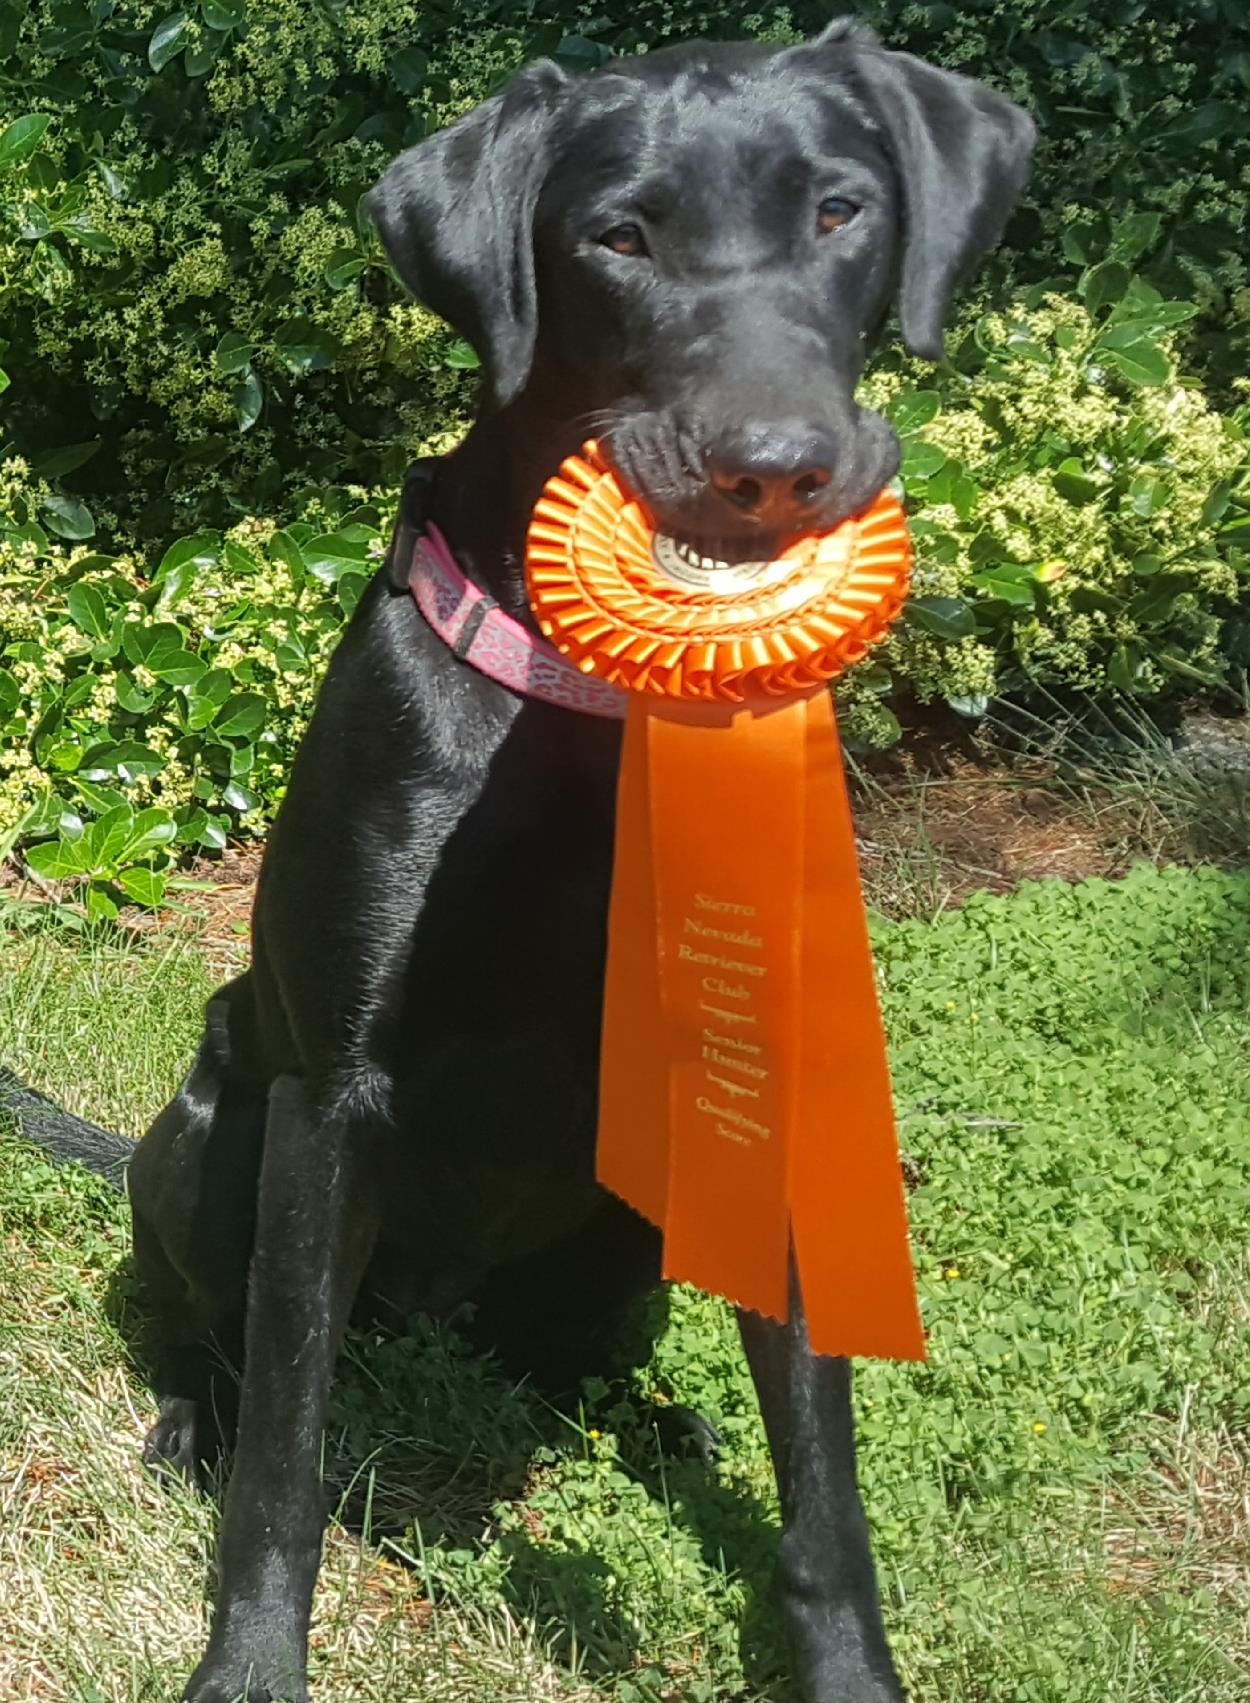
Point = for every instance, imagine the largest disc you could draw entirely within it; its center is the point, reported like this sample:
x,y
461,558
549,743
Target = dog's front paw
x,y
238,1677
831,1669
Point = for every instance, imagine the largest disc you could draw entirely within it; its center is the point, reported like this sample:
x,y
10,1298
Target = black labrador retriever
x,y
687,253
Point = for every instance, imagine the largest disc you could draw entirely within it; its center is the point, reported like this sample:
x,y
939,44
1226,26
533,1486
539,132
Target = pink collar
x,y
476,629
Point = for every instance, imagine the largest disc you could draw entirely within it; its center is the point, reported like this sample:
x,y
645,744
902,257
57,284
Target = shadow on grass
x,y
433,1454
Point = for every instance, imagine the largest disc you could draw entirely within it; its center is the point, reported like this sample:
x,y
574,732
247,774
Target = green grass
x,y
1059,1496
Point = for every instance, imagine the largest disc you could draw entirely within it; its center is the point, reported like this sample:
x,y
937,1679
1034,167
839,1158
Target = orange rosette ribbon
x,y
744,1102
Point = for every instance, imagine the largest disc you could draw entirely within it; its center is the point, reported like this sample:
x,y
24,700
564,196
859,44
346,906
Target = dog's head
x,y
688,254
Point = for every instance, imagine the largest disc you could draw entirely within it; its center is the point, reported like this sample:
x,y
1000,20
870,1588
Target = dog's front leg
x,y
826,1581
315,1226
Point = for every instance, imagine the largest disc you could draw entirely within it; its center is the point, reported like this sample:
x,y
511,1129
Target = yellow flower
x,y
951,1271
1039,1425
594,1435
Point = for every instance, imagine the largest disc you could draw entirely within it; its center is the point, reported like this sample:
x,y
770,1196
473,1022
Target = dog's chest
x,y
496,1050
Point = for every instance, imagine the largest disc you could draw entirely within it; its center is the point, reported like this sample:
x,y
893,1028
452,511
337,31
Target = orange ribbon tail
x,y
745,1097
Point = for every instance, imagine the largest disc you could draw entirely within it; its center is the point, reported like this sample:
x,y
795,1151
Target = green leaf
x,y
952,485
167,39
1161,315
1103,285
10,692
10,25
239,798
200,59
176,584
1140,363
284,549
106,839
305,347
1077,244
223,14
240,717
210,693
1124,667
56,463
1155,602
921,460
238,560
101,906
1004,588
990,1347
1147,495
1132,236
87,609
19,140
343,267
1182,666
973,706
913,409
44,816
129,696
1124,334
462,356
233,353
5,381
199,549
248,399
212,835
67,517
32,533
99,242
153,828
127,758
57,860
144,886
116,185
35,226
98,798
141,638
215,686
1204,123
172,640
178,667
407,69
1074,484
350,588
331,554
1023,347
945,617
1216,505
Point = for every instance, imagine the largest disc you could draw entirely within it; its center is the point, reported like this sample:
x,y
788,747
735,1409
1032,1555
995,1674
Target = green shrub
x,y
1078,508
145,715
203,336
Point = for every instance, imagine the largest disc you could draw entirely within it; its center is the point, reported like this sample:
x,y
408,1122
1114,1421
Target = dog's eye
x,y
834,212
625,239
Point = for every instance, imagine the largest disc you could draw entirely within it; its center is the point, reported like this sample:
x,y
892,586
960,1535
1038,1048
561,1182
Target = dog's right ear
x,y
456,214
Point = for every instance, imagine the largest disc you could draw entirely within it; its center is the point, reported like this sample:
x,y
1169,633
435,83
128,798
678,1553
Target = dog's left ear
x,y
456,214
962,152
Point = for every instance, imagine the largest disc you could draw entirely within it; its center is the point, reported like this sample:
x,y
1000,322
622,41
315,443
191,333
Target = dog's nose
x,y
773,478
